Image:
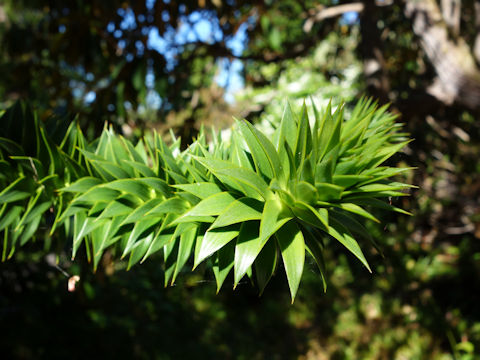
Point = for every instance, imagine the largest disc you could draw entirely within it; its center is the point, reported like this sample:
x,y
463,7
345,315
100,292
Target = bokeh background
x,y
161,65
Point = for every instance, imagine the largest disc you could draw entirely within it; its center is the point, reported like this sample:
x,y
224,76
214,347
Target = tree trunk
x,y
378,83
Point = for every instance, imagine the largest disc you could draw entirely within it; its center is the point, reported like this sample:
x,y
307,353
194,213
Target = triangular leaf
x,y
243,209
292,246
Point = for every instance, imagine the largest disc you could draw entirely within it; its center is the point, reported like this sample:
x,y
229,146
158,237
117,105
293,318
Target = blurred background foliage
x,y
179,64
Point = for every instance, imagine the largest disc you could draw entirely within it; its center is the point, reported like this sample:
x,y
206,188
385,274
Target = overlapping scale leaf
x,y
245,206
34,165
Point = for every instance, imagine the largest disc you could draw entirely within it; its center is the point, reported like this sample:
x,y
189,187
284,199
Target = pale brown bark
x,y
476,48
438,27
329,12
458,77
451,14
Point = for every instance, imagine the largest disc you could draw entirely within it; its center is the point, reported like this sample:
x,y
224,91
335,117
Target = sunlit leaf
x,y
215,239
292,247
185,247
239,203
247,249
241,210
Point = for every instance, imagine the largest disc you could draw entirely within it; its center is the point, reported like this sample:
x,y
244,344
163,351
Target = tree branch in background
x,y
476,47
219,49
458,77
332,11
451,14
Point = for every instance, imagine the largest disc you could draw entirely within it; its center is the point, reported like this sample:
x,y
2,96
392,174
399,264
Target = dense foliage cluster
x,y
244,204
167,65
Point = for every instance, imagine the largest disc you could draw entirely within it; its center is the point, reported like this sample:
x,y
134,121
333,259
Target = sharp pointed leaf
x,y
215,239
201,190
185,247
266,264
292,247
339,232
224,264
247,249
241,210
